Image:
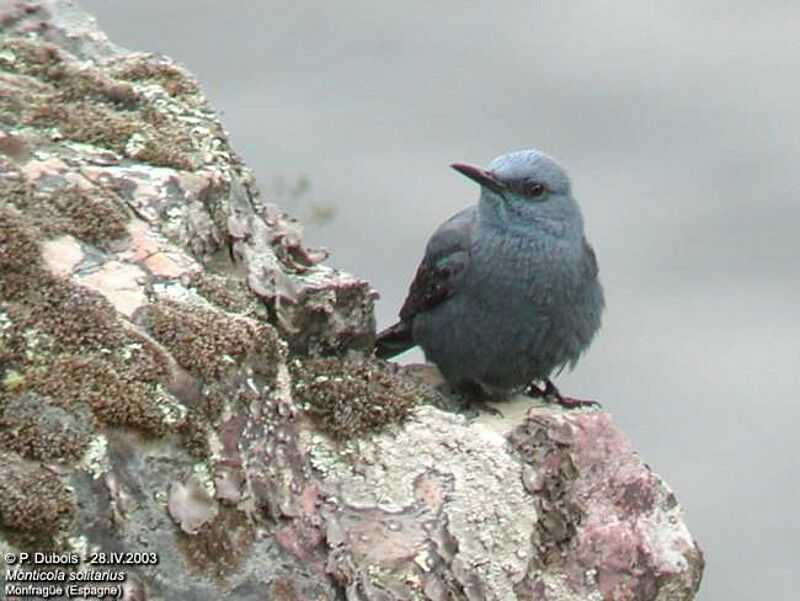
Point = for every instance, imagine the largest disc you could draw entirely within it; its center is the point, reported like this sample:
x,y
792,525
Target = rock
x,y
180,375
191,506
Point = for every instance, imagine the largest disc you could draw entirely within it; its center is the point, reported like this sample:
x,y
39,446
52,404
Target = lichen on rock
x,y
181,374
609,539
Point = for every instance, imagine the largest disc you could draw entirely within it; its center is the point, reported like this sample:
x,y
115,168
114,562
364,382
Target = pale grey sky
x,y
680,125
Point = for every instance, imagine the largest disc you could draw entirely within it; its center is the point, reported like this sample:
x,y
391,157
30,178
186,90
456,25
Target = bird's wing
x,y
591,258
446,256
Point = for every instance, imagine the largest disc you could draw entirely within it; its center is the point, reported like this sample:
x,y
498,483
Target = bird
x,y
507,293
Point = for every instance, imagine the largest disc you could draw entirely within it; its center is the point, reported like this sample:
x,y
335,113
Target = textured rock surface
x,y
161,328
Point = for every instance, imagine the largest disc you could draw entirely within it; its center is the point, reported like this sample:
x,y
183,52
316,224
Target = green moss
x,y
116,397
66,342
19,252
142,357
348,398
34,426
153,69
50,88
167,146
52,317
209,343
11,106
35,506
66,317
87,122
14,190
34,58
97,216
229,293
14,147
68,362
48,317
70,78
193,431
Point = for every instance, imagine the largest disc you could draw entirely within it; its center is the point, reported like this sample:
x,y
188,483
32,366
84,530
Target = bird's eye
x,y
534,188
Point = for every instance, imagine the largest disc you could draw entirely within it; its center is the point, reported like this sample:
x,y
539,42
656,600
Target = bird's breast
x,y
519,270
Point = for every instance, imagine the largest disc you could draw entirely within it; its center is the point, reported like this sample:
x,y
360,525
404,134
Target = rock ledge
x,y
181,375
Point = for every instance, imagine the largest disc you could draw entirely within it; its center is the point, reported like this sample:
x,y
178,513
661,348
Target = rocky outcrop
x,y
182,378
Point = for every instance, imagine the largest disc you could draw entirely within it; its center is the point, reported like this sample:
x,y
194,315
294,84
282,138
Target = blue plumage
x,y
507,292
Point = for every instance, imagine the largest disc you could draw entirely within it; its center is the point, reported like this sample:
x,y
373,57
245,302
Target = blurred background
x,y
680,126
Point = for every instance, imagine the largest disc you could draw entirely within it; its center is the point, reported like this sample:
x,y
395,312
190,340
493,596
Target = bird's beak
x,y
478,174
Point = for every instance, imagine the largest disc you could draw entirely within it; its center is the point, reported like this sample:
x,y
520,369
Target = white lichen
x,y
488,534
95,460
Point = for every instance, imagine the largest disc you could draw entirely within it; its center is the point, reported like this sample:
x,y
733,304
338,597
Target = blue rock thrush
x,y
507,292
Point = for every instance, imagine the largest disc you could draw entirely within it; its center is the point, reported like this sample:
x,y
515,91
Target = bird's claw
x,y
573,403
479,404
552,394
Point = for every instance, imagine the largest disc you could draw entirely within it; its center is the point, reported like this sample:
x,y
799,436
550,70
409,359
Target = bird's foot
x,y
552,394
478,404
535,391
475,399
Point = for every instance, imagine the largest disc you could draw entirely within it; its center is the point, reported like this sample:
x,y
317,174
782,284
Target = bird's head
x,y
523,188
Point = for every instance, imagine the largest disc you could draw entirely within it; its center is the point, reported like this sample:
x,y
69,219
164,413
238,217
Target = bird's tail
x,y
394,340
